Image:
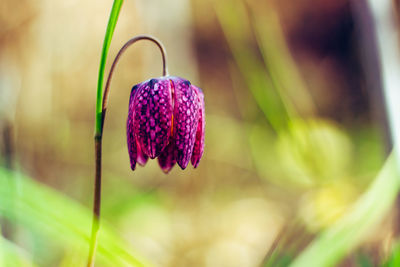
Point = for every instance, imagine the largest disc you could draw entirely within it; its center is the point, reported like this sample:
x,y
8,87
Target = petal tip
x,y
195,164
133,166
166,160
182,164
166,170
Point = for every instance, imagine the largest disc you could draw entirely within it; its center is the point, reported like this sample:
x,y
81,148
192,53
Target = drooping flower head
x,y
166,119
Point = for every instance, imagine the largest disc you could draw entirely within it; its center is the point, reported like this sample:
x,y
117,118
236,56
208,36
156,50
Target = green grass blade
x,y
394,259
387,34
13,256
335,242
112,22
236,26
277,58
47,213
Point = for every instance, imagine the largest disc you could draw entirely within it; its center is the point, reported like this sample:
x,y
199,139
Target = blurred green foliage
x,y
281,182
332,244
63,221
313,153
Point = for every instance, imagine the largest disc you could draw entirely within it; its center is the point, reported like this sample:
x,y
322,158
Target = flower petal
x,y
199,143
152,116
185,120
131,140
132,150
141,157
167,160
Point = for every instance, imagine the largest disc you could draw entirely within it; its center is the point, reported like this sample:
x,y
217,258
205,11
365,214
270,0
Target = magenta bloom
x,y
166,120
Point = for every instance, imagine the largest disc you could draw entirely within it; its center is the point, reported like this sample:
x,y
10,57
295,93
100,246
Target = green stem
x,y
101,107
99,137
112,22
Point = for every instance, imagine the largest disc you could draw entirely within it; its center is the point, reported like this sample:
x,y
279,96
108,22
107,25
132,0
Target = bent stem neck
x,y
100,117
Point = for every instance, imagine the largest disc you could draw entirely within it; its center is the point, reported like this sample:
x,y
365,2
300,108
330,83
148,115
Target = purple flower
x,y
166,119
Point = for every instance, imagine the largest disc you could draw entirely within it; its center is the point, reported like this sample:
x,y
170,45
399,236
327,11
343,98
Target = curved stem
x,y
121,51
99,137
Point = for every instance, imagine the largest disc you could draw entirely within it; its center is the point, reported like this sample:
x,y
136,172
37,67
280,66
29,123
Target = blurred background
x,y
296,133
